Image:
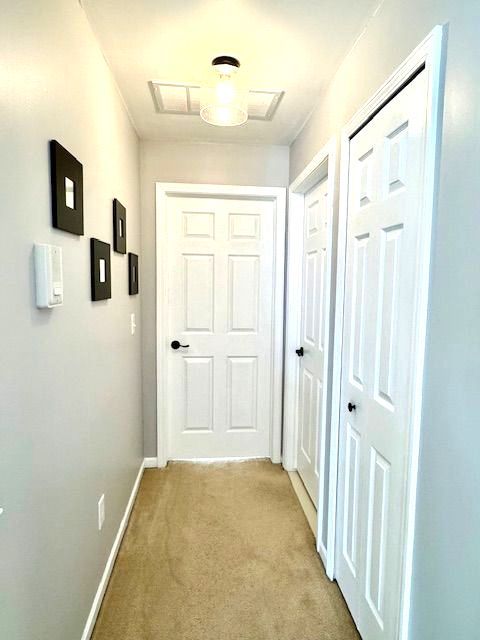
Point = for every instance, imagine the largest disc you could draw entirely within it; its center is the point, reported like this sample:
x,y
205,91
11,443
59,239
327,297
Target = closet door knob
x,y
351,407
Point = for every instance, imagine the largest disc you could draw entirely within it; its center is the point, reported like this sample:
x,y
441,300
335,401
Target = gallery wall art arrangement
x,y
66,174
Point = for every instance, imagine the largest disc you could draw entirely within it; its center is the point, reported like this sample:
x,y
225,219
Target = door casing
x,y
278,196
430,56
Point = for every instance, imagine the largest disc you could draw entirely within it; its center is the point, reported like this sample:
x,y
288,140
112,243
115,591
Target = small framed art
x,y
132,274
119,227
100,270
66,174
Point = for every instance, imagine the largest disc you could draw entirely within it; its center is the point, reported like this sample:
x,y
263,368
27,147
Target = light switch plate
x,y
133,324
101,511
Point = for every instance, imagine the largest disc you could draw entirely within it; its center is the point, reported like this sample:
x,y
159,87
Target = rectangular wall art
x,y
66,174
132,274
100,270
119,227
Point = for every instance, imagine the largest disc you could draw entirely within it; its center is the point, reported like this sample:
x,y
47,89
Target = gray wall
x,y
70,378
195,163
447,559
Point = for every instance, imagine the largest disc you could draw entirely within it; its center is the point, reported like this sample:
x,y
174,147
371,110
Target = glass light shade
x,y
224,100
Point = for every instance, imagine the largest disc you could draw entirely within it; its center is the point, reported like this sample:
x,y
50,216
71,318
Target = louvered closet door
x,y
386,168
311,419
221,305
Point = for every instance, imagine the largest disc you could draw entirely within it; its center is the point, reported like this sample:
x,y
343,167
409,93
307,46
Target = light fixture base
x,y
228,60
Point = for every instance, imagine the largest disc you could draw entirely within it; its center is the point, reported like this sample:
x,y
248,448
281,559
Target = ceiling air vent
x,y
184,99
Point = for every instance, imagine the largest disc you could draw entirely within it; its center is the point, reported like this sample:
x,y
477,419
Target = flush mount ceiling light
x,y
224,99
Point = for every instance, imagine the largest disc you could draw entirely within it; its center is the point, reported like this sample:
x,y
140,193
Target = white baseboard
x,y
219,460
97,601
151,463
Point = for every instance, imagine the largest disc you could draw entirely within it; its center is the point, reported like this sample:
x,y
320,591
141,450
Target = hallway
x,y
241,246
220,552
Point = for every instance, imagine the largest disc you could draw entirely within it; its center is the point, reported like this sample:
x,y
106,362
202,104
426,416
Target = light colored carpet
x,y
220,552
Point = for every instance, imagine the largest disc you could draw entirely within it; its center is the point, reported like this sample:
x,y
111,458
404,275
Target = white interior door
x,y
220,277
311,414
383,240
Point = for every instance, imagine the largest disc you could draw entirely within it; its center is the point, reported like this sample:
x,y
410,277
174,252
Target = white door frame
x,y
277,195
321,166
429,55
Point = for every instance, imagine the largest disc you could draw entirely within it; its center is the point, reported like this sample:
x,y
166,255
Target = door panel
x,y
378,501
311,418
386,169
242,390
198,376
311,307
243,289
359,277
387,313
220,292
198,291
350,499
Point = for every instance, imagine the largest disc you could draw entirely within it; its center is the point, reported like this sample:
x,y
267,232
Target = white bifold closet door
x,y
311,410
383,233
220,293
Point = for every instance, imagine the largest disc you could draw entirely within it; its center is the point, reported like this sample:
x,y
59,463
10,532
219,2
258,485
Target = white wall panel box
x,y
48,276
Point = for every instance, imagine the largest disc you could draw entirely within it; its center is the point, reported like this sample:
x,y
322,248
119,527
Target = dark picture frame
x,y
133,276
66,175
119,227
100,270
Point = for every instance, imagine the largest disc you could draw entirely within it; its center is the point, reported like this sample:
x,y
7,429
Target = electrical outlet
x,y
101,511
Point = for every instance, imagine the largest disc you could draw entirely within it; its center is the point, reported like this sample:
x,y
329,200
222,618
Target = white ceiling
x,y
291,45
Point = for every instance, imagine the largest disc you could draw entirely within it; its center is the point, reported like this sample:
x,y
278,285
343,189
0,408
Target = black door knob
x,y
176,345
351,407
299,352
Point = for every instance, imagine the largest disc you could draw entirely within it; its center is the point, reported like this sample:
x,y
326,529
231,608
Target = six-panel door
x,y
220,290
385,192
311,400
